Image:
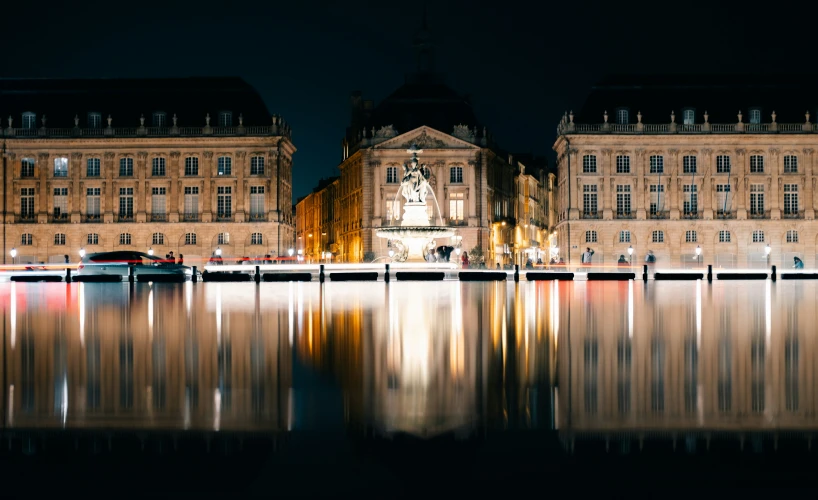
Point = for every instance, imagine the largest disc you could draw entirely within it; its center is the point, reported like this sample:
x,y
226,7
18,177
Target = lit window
x,y
456,206
755,115
658,236
688,116
61,167
27,167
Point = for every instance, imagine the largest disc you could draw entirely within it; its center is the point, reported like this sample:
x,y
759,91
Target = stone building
x,y
315,222
674,165
182,165
472,179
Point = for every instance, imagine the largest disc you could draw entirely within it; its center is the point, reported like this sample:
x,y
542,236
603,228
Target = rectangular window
x,y
29,120
657,198
60,167
224,202
657,164
225,119
60,203
257,165
126,167
658,236
126,204
624,236
722,164
27,203
790,199
688,117
94,120
589,164
756,164
689,164
691,237
125,238
256,202
790,164
92,167
622,116
456,206
92,203
92,239
59,239
723,199
623,164
191,203
623,200
158,169
27,167
755,116
590,237
691,200
724,236
456,175
225,165
158,203
190,238
27,239
792,236
393,210
758,236
391,175
589,200
757,200
191,166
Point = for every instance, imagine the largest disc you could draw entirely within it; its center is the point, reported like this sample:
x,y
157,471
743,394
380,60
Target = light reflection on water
x,y
418,358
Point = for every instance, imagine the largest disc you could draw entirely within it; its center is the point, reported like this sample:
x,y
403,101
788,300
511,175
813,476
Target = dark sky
x,y
522,62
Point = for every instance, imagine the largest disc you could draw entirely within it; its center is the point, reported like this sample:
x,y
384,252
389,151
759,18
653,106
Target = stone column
x,y
174,194
367,198
140,191
42,187
774,185
273,185
241,186
207,195
809,192
736,193
74,187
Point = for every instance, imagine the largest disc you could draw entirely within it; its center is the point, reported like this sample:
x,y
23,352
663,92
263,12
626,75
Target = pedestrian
x,y
181,260
587,256
650,258
66,259
464,260
797,263
171,258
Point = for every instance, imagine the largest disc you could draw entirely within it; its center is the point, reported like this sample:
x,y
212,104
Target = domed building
x,y
472,181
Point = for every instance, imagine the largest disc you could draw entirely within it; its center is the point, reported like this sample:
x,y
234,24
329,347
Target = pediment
x,y
425,138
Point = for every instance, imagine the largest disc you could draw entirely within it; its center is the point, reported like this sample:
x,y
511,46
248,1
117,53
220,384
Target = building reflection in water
x,y
410,357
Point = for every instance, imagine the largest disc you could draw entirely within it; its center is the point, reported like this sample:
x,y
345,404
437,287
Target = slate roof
x,y
126,99
722,96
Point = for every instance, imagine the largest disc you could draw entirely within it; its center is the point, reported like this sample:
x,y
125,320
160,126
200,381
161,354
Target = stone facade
x,y
730,190
183,189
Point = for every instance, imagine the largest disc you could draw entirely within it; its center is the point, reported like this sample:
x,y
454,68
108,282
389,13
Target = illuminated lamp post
x,y
150,251
630,254
767,250
13,254
82,252
291,251
699,255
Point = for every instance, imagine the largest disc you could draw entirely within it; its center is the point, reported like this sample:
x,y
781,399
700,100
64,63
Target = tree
x,y
369,256
476,255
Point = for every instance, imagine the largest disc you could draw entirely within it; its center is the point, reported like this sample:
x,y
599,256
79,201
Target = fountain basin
x,y
415,238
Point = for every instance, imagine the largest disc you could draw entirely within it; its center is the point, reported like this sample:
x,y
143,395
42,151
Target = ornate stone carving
x,y
43,156
707,151
424,141
808,151
208,155
174,155
774,151
241,154
142,155
11,156
606,152
109,155
462,132
76,156
386,132
741,151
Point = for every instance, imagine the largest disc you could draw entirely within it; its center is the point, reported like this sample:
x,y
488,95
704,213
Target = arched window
x,y
59,239
190,238
125,238
158,239
26,239
256,239
223,239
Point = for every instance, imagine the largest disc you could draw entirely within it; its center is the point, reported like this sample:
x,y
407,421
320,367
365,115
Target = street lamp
x,y
13,253
699,254
391,253
767,250
218,251
630,254
150,251
291,252
82,253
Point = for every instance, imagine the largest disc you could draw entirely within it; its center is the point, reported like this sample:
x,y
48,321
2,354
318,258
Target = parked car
x,y
118,264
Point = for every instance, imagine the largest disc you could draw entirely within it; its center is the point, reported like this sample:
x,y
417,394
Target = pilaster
x,y
607,187
809,191
241,167
140,191
174,194
774,184
42,187
707,184
74,187
207,197
107,199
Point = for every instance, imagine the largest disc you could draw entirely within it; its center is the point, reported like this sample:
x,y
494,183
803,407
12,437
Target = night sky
x,y
522,63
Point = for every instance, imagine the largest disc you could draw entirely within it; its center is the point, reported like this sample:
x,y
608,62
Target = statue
x,y
415,184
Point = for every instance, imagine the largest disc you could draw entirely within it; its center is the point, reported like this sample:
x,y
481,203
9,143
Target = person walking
x,y
797,263
587,256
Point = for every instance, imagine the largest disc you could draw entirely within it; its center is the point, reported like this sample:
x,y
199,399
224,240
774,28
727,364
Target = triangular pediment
x,y
425,138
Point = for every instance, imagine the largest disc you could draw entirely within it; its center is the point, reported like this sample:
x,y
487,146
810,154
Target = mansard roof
x,y
722,96
126,99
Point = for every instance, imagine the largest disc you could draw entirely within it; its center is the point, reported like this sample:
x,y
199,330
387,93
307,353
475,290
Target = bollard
x,y
321,273
772,275
68,275
645,273
710,273
386,274
130,274
257,277
193,277
516,273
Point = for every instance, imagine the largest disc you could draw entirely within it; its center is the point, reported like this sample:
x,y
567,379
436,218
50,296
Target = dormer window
x,y
29,120
94,120
688,116
622,116
226,119
159,119
755,115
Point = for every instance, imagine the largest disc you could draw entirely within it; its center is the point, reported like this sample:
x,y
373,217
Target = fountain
x,y
415,231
